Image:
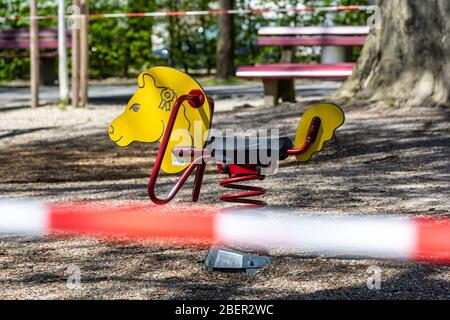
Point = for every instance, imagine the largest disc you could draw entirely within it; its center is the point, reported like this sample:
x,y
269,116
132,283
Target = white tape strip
x,y
378,237
23,217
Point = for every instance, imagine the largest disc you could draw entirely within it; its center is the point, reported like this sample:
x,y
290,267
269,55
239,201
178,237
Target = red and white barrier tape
x,y
414,239
201,13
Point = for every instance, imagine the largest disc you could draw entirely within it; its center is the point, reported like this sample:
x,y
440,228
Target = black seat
x,y
248,150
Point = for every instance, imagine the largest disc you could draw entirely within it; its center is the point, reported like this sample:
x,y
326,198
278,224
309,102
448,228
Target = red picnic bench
x,y
278,78
19,40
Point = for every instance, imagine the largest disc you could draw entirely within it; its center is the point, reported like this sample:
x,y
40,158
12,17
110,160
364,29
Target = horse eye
x,y
135,107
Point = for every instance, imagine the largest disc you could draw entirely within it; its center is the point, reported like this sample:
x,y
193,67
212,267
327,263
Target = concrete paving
x,y
12,97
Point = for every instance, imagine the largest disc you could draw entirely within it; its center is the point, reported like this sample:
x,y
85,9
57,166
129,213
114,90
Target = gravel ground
x,y
384,160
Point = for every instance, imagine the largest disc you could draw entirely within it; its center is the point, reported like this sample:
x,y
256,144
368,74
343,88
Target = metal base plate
x,y
228,259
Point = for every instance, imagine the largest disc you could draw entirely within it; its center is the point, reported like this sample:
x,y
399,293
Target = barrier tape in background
x,y
200,13
405,238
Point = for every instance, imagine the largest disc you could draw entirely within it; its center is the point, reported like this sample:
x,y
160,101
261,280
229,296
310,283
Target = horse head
x,y
147,113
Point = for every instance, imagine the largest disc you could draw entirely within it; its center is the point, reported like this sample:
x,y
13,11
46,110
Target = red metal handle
x,y
196,99
311,137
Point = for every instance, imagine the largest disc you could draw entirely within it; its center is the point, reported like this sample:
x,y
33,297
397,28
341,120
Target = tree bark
x,y
173,36
34,54
407,61
76,56
225,44
84,53
63,74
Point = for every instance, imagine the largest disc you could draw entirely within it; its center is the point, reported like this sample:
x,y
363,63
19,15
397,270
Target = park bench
x,y
19,40
278,78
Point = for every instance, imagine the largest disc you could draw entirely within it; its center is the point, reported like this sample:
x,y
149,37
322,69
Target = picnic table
x,y
278,78
19,40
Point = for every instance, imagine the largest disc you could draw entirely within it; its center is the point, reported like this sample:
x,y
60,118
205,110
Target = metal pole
x,y
84,53
62,51
34,55
75,54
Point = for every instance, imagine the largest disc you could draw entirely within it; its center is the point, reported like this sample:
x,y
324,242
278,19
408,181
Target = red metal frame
x,y
242,173
311,137
196,99
237,173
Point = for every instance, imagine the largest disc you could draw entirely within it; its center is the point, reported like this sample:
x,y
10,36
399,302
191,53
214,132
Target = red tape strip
x,y
187,224
433,240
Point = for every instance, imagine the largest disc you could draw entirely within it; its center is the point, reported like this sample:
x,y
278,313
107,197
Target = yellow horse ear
x,y
331,116
145,79
141,80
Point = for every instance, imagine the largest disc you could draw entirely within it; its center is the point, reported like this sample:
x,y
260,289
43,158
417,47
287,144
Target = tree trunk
x,y
84,53
225,44
407,61
76,57
34,55
173,35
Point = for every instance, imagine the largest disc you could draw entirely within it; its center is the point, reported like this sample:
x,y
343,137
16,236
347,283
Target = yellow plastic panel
x,y
147,113
331,116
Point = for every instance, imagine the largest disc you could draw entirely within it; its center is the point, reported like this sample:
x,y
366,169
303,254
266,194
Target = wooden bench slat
x,y
312,41
343,65
19,39
25,33
25,44
315,31
289,71
52,55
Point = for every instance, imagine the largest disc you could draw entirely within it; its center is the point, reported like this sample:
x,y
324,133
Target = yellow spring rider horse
x,y
172,108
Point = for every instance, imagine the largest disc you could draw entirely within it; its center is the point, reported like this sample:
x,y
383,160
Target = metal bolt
x,y
225,168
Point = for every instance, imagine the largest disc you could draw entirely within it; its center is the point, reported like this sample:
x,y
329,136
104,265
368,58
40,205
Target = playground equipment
x,y
172,108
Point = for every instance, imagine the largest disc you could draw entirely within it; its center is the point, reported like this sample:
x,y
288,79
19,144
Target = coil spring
x,y
249,191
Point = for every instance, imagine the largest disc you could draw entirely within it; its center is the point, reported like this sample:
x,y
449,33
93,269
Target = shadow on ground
x,y
383,160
